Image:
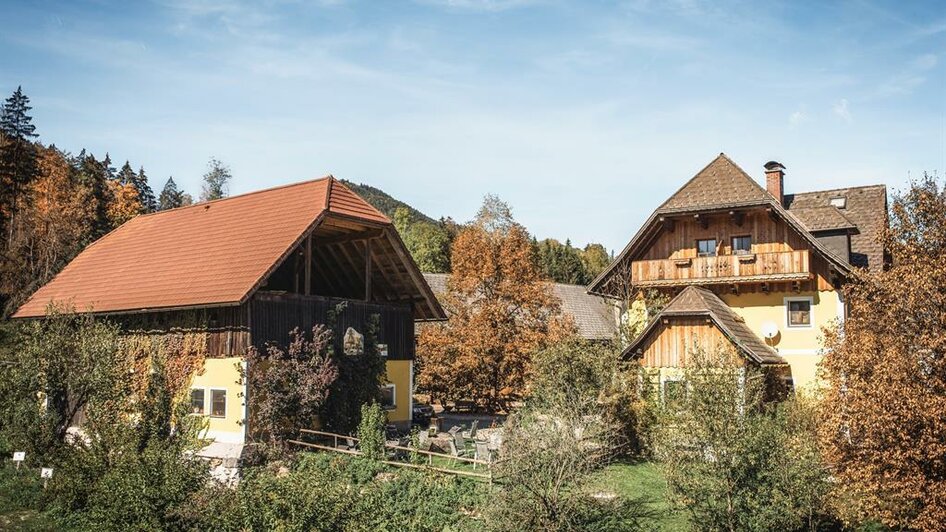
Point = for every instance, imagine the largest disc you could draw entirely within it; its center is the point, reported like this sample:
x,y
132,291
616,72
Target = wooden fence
x,y
430,455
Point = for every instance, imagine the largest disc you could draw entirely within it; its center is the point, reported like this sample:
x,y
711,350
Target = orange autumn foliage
x,y
501,311
884,428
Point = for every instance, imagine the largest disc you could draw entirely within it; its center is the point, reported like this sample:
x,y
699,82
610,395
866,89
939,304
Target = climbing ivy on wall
x,y
359,378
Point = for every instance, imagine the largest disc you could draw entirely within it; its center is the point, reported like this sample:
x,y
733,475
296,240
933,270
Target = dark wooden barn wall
x,y
226,327
273,315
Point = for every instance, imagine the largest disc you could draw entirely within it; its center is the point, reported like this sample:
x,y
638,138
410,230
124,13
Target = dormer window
x,y
706,248
839,202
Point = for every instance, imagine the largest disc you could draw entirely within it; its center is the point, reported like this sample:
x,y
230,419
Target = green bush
x,y
333,492
371,432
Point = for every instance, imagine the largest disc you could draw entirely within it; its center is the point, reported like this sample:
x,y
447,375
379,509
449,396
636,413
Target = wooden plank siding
x,y
674,341
779,256
274,315
779,265
768,236
227,331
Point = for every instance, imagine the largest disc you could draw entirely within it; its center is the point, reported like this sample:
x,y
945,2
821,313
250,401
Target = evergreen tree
x,y
94,176
171,197
126,176
216,181
17,156
145,194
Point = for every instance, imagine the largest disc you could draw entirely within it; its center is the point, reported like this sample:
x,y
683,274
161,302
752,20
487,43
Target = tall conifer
x,y
171,197
17,156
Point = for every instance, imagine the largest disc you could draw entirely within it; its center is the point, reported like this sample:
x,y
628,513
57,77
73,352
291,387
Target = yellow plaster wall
x,y
222,373
399,373
800,347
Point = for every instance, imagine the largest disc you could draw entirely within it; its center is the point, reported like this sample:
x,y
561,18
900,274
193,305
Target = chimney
x,y
775,180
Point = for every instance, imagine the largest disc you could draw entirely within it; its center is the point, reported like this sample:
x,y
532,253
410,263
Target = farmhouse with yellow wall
x,y
747,267
244,271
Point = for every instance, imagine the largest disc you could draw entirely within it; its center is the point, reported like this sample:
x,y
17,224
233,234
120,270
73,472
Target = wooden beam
x,y
346,269
668,224
737,217
367,270
360,235
703,220
308,265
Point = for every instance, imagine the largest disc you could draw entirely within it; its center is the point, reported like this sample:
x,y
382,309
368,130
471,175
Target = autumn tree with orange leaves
x,y
500,309
884,426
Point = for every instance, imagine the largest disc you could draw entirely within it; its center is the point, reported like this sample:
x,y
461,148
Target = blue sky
x,y
584,116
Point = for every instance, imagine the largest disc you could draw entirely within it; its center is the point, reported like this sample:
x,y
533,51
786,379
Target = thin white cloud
x,y
798,117
842,110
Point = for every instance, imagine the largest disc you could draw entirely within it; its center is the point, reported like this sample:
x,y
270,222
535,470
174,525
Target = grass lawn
x,y
644,480
18,490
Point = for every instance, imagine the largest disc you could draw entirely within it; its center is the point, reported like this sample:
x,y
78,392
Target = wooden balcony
x,y
723,269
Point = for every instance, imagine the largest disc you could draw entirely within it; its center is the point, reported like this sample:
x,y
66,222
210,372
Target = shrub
x,y
734,462
581,372
338,493
546,470
371,432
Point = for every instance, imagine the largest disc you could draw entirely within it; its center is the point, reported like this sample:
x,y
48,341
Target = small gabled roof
x,y
593,315
694,301
720,185
214,253
865,208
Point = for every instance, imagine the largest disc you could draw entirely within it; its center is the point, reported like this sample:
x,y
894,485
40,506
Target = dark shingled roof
x,y
694,301
719,184
866,209
823,219
593,315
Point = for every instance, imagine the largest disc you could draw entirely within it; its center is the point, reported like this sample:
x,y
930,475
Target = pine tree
x,y
145,194
17,156
216,181
126,176
94,176
171,197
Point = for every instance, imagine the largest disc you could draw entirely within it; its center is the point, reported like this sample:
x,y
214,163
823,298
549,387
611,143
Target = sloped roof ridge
x,y
228,198
839,189
697,175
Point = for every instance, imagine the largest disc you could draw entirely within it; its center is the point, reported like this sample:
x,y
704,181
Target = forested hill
x,y
429,241
385,203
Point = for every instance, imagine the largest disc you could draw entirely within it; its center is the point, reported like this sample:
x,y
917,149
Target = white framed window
x,y
706,247
799,312
839,201
218,402
198,397
389,397
741,245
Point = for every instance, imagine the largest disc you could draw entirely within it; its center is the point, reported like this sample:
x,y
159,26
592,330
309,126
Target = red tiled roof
x,y
211,253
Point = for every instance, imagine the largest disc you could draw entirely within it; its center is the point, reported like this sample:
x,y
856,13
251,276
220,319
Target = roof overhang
x,y
654,226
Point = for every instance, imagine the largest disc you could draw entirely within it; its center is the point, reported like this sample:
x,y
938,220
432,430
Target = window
x,y
218,403
798,312
388,400
674,391
197,401
706,248
839,202
741,245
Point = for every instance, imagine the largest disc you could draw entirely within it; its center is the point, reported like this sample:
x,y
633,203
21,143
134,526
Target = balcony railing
x,y
748,268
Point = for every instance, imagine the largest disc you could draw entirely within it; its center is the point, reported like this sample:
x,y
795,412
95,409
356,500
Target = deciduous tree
x,y
500,312
216,181
885,424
